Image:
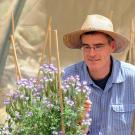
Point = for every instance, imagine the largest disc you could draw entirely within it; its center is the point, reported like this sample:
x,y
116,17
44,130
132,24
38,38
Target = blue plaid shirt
x,y
112,108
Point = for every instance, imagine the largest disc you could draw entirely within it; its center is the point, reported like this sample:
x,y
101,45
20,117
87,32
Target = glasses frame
x,y
97,47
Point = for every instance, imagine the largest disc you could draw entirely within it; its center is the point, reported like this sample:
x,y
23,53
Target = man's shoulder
x,y
127,69
73,69
75,66
127,66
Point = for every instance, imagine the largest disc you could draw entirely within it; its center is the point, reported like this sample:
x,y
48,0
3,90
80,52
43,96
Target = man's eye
x,y
86,47
99,46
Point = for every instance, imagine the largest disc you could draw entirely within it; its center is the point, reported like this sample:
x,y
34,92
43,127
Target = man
x,y
112,82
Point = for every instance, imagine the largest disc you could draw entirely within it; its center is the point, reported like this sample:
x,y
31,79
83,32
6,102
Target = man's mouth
x,y
93,60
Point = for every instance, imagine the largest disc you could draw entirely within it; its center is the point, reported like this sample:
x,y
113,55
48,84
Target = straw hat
x,y
96,23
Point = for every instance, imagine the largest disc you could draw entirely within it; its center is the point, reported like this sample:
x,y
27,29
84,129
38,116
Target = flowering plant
x,y
34,108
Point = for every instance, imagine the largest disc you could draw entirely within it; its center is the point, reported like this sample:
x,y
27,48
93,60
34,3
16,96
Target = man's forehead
x,y
97,37
94,33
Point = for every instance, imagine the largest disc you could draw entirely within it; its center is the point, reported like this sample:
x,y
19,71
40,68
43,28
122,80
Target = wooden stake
x,y
132,36
44,46
15,59
13,27
13,34
111,15
43,50
133,125
59,82
131,42
50,48
130,58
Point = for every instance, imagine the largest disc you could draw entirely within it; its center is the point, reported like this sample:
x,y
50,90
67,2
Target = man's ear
x,y
113,46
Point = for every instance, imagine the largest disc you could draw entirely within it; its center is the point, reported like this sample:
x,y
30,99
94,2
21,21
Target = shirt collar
x,y
116,75
86,75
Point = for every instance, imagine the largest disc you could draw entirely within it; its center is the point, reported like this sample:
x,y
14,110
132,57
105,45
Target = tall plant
x,y
34,108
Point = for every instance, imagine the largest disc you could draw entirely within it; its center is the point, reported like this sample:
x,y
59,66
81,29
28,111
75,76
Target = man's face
x,y
96,51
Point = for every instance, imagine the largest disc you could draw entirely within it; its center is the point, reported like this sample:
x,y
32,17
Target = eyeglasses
x,y
98,47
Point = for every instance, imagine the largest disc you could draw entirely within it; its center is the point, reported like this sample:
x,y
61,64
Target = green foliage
x,y
34,108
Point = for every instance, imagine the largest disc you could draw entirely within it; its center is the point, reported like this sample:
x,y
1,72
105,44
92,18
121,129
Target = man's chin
x,y
93,67
93,63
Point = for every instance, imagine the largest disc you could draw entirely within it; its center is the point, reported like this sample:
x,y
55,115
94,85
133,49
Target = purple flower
x,y
26,83
22,97
48,68
29,114
39,88
8,117
7,101
16,95
40,96
33,80
60,133
5,130
36,94
54,133
71,80
47,103
17,114
82,87
65,87
68,101
87,122
57,133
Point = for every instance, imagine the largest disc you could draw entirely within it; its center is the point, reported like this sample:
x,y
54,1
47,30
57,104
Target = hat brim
x,y
72,40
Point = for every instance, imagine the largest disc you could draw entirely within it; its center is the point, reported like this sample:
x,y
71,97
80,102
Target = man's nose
x,y
92,52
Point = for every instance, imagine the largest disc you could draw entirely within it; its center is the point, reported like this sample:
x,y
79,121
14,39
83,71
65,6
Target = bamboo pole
x,y
45,44
132,37
13,26
131,53
111,15
15,59
19,4
13,34
133,125
44,47
50,48
59,81
131,42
